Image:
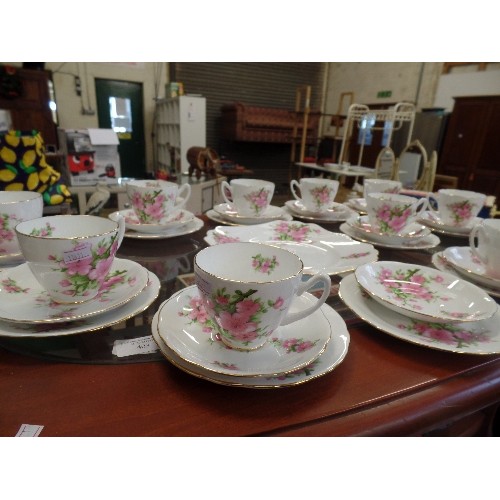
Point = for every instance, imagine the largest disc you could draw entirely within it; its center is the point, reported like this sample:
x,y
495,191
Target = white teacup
x,y
317,195
153,201
390,213
456,207
249,197
488,245
70,255
248,297
381,186
16,207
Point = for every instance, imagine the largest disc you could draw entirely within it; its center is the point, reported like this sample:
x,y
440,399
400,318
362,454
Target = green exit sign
x,y
384,93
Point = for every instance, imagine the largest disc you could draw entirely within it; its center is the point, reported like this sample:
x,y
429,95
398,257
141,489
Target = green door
x,y
120,107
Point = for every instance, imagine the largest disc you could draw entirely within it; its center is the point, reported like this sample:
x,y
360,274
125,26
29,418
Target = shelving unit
x,y
180,124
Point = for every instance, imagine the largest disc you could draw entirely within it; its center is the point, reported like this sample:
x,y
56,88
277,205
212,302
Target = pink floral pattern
x,y
321,196
150,208
264,265
393,219
445,333
88,273
293,344
410,287
11,286
461,212
43,231
7,233
258,200
290,231
358,255
222,238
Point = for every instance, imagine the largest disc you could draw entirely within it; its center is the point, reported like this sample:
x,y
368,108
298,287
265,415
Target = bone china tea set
x,y
256,315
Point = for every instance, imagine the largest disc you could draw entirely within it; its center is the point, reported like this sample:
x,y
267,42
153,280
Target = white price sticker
x,y
29,430
80,252
131,347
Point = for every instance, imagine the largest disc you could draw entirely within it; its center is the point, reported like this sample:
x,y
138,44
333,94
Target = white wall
x,y
414,82
465,84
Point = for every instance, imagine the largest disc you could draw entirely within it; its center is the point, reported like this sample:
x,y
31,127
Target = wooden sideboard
x,y
471,149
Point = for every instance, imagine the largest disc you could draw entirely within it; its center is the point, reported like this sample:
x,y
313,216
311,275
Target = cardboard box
x,y
91,155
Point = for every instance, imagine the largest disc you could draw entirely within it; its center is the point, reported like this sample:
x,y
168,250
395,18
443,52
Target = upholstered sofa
x,y
240,122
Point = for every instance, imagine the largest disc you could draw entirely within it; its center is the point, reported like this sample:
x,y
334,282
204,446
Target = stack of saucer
x,y
294,354
318,248
358,204
434,221
424,306
414,235
26,310
336,212
468,266
178,223
226,213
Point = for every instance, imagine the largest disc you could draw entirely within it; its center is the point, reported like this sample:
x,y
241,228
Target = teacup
x,y
16,207
488,245
317,194
70,255
249,197
153,201
390,213
456,207
381,186
247,290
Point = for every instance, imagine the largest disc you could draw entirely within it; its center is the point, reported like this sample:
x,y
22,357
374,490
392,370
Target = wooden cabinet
x,y
28,102
471,148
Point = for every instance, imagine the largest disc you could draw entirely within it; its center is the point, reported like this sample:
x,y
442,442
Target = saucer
x,y
481,337
359,204
439,261
288,349
23,299
433,221
469,266
337,211
412,232
136,306
229,213
424,293
426,242
334,354
175,220
319,249
191,227
11,259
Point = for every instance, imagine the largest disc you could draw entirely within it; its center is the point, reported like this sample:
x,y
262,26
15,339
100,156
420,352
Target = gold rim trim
x,y
229,280
160,343
404,339
238,375
67,238
87,329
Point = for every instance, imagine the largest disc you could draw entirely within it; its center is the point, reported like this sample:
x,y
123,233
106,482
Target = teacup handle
x,y
121,228
225,187
293,186
184,264
430,206
475,250
303,287
184,192
421,206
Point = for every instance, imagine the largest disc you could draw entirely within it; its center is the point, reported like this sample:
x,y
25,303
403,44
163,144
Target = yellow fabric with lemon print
x,y
23,167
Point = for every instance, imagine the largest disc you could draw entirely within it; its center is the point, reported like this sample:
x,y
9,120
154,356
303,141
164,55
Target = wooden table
x,y
74,386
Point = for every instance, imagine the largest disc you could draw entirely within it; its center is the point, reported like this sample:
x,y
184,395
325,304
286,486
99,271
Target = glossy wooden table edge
x,y
414,413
